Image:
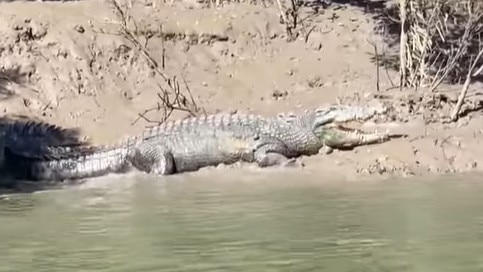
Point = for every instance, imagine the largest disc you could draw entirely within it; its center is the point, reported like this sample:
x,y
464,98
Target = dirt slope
x,y
64,63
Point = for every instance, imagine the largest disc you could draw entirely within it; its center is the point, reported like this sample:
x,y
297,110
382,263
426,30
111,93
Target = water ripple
x,y
201,223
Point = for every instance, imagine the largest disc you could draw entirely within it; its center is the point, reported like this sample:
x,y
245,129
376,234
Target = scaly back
x,y
316,118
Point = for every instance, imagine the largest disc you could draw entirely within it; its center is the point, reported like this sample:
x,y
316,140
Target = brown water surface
x,y
246,222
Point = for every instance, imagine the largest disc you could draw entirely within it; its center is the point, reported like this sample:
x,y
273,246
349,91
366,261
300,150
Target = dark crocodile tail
x,y
32,139
70,164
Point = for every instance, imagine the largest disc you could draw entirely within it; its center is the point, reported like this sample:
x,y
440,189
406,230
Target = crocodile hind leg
x,y
153,158
273,154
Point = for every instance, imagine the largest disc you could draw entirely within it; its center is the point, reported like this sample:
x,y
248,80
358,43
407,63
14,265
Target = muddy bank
x,y
68,64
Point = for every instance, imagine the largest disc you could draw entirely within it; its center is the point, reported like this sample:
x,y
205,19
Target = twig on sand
x,y
402,45
376,56
288,28
291,19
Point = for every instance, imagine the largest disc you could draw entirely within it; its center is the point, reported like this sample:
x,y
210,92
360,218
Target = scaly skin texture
x,y
187,146
193,143
274,142
178,146
327,125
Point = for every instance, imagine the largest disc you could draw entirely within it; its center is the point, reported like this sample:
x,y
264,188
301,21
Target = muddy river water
x,y
250,221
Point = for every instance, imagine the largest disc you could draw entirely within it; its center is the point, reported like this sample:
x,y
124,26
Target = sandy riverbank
x,y
58,66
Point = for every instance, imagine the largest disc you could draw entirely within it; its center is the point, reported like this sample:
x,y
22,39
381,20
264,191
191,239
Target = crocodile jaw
x,y
335,135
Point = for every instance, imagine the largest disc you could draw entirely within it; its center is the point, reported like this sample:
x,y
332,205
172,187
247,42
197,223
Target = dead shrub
x,y
174,94
438,39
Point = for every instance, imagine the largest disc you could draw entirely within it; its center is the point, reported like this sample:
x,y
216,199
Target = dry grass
x,y
433,42
439,39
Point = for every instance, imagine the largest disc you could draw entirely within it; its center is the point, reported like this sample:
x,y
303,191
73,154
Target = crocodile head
x,y
330,124
342,114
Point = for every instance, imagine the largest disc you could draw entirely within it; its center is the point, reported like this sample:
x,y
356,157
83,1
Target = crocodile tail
x,y
70,163
33,139
2,148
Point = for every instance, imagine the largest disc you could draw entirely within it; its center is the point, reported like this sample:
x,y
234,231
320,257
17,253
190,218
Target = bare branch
x,y
172,98
461,98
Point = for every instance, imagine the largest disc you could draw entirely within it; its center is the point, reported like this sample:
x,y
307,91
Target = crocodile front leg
x,y
273,154
152,158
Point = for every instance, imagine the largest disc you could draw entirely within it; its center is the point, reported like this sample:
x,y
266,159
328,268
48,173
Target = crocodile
x,y
193,143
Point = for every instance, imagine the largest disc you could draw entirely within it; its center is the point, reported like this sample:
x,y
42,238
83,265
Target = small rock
x,y
62,53
473,165
316,81
79,29
317,46
38,30
32,104
279,94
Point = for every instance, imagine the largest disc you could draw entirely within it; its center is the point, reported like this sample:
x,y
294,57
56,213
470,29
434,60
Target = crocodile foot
x,y
292,163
